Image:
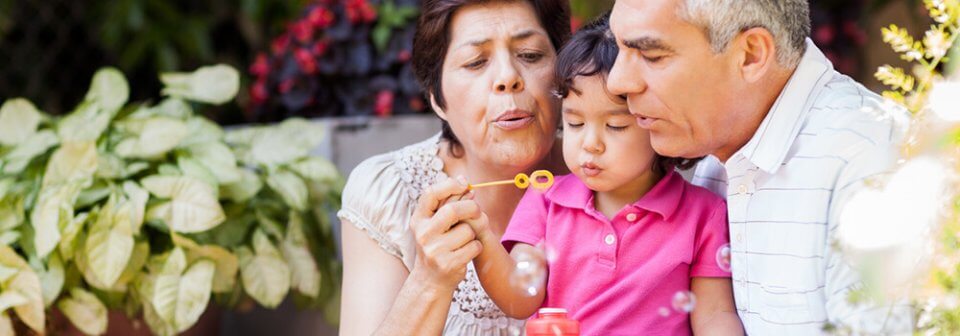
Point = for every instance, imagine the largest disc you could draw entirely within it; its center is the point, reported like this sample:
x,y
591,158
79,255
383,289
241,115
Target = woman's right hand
x,y
445,241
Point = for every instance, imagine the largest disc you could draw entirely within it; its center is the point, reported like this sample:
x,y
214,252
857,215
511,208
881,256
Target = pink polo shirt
x,y
614,276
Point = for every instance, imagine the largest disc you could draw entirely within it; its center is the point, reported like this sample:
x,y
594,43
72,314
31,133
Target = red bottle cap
x,y
553,322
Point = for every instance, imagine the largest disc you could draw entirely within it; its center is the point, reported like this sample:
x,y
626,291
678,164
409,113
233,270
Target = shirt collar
x,y
770,144
663,198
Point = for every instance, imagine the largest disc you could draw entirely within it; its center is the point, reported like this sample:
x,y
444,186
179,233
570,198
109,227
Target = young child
x,y
631,238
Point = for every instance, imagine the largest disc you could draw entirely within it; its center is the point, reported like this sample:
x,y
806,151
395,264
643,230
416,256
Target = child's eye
x,y
574,125
616,128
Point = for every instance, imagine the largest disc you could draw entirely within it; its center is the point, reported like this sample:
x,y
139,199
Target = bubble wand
x,y
522,181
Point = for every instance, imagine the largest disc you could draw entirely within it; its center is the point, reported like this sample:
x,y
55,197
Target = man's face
x,y
679,89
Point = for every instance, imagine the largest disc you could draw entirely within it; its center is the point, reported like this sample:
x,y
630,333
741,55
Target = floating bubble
x,y
664,311
515,331
683,301
530,273
723,257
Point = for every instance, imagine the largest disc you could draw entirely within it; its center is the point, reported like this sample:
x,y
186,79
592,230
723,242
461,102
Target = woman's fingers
x,y
455,212
433,197
467,253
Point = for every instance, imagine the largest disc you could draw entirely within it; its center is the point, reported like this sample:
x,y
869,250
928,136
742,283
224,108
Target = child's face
x,y
602,143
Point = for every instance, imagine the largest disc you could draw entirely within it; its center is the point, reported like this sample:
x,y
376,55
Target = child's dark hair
x,y
592,51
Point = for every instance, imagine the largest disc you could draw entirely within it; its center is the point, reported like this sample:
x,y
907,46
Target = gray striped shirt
x,y
824,136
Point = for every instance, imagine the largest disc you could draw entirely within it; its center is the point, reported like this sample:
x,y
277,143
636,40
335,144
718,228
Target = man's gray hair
x,y
787,20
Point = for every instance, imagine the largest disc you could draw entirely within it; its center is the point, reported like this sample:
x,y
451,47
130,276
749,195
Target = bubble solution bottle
x,y
552,322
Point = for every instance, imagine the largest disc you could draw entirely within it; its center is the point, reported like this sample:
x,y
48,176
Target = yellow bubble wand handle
x,y
523,181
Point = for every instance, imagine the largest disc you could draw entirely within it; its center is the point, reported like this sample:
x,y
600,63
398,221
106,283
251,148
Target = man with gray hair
x,y
788,141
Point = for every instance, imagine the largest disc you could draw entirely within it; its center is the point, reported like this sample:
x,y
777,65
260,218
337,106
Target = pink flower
x,y
279,44
302,30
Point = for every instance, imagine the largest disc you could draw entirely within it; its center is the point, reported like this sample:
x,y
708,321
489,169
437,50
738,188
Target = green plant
x,y
152,209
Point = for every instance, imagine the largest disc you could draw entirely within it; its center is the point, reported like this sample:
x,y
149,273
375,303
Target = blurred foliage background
x,y
49,49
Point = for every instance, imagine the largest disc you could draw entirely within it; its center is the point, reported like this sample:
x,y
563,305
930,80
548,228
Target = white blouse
x,y
380,197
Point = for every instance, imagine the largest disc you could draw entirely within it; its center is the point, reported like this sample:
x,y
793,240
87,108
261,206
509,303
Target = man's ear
x,y
436,107
758,54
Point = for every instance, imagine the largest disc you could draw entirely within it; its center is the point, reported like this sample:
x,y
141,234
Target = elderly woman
x,y
408,245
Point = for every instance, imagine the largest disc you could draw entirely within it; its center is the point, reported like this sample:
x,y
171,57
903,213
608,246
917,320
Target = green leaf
x,y
6,326
153,137
86,123
51,279
216,84
316,169
288,142
138,198
290,187
85,311
227,265
202,131
35,145
9,237
218,159
110,166
26,283
10,299
193,294
266,277
173,108
247,186
11,213
72,162
70,232
110,243
156,323
194,169
94,194
304,274
167,284
141,252
19,119
193,206
54,210
108,89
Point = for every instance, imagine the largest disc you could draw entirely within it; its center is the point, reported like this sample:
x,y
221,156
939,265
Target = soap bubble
x,y
530,273
723,257
683,301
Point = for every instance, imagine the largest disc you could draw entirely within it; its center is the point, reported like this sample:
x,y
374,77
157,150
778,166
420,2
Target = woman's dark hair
x,y
592,51
432,39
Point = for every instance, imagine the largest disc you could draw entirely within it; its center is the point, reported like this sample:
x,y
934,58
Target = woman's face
x,y
497,80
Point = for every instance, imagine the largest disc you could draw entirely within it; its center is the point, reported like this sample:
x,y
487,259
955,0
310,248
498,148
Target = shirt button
x,y
631,217
742,189
610,239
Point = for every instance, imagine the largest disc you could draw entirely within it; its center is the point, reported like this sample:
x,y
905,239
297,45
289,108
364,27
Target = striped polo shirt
x,y
822,139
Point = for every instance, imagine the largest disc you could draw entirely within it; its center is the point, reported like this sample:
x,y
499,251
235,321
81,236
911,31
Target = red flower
x,y
383,106
360,11
320,17
258,92
305,60
320,48
824,35
261,66
286,85
302,30
403,56
575,23
279,44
